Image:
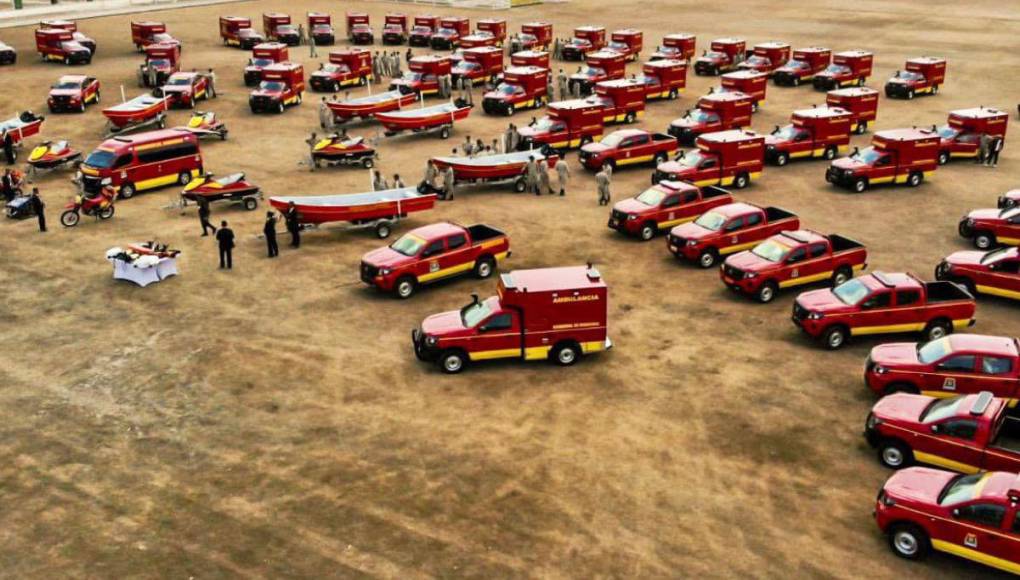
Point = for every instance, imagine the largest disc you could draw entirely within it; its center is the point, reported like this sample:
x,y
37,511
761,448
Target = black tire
x,y
629,117
367,163
444,133
69,218
915,179
250,203
127,190
673,94
565,354
520,185
81,108
767,292
405,287
830,153
862,128
895,454
796,81
938,328
708,258
647,231
909,541
383,230
835,337
842,275
452,362
910,94
184,178
943,157
741,181
336,87
660,157
106,213
861,185
279,108
782,158
510,109
484,267
984,240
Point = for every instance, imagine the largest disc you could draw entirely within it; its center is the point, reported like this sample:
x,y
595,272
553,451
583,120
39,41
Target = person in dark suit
x,y
292,218
203,216
269,230
9,148
225,238
40,208
7,185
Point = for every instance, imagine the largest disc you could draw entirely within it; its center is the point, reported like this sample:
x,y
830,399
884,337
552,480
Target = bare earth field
x,y
273,422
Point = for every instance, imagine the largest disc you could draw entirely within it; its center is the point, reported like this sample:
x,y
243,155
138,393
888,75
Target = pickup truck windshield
x,y
868,156
907,75
336,68
852,292
796,64
473,314
651,197
612,140
67,85
179,81
994,255
505,89
789,133
408,245
711,221
940,409
592,72
272,86
933,351
771,250
261,61
962,488
159,62
947,132
691,158
837,69
713,55
699,116
758,60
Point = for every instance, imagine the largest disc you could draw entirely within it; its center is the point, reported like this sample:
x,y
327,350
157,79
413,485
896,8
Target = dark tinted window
x,y
905,297
962,429
456,241
754,219
961,363
707,164
1016,523
816,250
691,196
499,322
123,160
985,514
671,201
433,249
797,255
166,153
996,365
736,224
877,301
1008,267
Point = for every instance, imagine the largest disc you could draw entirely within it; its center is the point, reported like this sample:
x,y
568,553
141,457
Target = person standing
x,y
994,148
9,148
311,141
449,183
324,114
376,68
293,221
557,49
153,77
397,70
563,173
983,143
378,181
397,182
468,90
269,231
430,174
515,137
497,146
203,216
39,208
531,175
301,33
7,185
561,81
602,180
211,83
225,240
311,46
543,177
468,147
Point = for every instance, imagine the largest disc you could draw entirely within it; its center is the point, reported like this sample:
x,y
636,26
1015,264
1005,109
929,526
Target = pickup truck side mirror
x,y
935,429
956,513
776,130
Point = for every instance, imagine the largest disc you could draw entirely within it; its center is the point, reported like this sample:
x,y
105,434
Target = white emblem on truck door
x,y
795,273
970,541
949,384
433,266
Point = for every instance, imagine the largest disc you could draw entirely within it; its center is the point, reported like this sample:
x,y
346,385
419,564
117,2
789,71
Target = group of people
x,y
225,238
379,182
989,147
386,64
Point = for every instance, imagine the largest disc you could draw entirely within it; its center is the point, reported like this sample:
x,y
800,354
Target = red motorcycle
x,y
98,204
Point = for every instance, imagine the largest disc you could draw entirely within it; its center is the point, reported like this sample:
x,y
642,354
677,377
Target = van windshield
x,y
101,159
473,314
272,86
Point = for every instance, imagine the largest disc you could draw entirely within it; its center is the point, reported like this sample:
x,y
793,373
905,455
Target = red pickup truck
x,y
627,147
664,205
996,272
921,509
434,252
883,303
792,258
727,229
967,433
991,227
958,364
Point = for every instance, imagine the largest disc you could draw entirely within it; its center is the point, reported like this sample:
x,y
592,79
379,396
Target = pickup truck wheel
x,y
452,362
910,94
915,179
184,178
629,117
835,337
647,231
660,158
894,454
336,87
741,181
841,276
673,94
909,541
937,329
404,288
830,153
484,267
796,81
984,240
943,157
566,354
510,110
862,127
767,292
250,203
861,185
782,159
279,108
708,258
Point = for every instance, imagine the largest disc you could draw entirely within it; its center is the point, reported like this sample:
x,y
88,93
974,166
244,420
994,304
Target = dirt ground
x,y
273,422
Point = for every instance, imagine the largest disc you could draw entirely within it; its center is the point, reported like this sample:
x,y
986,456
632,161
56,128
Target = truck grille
x,y
61,100
619,216
799,312
733,273
677,241
368,272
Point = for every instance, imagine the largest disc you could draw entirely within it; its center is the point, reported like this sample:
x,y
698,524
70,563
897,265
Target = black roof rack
x,y
883,279
981,405
796,235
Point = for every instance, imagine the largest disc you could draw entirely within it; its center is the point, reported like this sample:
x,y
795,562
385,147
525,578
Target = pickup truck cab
x,y
73,93
988,228
185,88
902,156
882,303
995,272
627,147
434,252
792,258
958,364
812,133
664,205
727,229
723,158
970,516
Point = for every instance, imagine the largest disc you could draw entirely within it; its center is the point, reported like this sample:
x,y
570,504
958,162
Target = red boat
x,y
436,118
141,111
490,168
366,107
23,125
378,210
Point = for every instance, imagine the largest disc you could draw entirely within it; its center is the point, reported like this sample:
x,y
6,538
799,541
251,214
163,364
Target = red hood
x,y
65,92
749,262
176,88
896,355
676,169
691,231
822,300
901,407
386,258
632,205
918,484
984,214
686,122
965,258
596,148
532,132
848,163
442,324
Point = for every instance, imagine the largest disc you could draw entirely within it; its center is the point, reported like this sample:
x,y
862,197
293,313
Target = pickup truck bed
x,y
1009,435
481,232
841,244
712,191
775,214
946,292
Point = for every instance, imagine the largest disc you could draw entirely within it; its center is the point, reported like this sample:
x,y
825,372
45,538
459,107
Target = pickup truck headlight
x,y
880,370
750,275
815,316
385,271
431,340
970,222
692,243
631,217
872,421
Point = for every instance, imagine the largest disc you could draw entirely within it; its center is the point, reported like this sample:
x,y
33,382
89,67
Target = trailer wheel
x,y
367,163
510,109
782,158
127,190
834,337
862,127
915,179
861,185
984,240
404,287
250,203
520,185
566,354
909,541
484,267
708,258
830,153
69,218
741,181
184,178
842,275
767,292
943,157
938,328
106,213
452,362
444,133
382,230
894,454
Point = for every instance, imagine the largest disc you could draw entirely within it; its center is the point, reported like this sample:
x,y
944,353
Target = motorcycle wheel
x,y
106,213
69,218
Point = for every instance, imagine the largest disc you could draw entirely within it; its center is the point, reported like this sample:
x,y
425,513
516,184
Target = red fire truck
x,y
896,156
627,42
678,46
395,29
622,100
320,29
805,64
664,205
423,78
566,125
541,34
749,82
555,314
848,68
536,58
164,59
55,44
480,65
961,136
495,27
715,112
883,303
263,55
522,87
230,27
767,57
451,30
664,78
724,158
995,272
587,39
728,229
277,27
72,27
432,253
990,227
627,147
283,84
603,65
133,163
725,54
923,75
812,133
922,509
958,364
347,67
424,27
862,102
792,258
148,32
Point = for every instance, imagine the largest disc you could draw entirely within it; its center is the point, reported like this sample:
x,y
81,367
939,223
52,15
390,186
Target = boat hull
x,y
365,108
427,119
358,207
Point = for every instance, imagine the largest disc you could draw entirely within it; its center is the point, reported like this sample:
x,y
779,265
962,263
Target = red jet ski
x,y
231,188
342,150
50,155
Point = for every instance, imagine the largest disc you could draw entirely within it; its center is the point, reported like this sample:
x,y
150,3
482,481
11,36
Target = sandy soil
x,y
272,421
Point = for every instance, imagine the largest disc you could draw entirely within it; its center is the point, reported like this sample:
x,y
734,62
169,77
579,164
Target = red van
x,y
133,163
